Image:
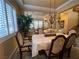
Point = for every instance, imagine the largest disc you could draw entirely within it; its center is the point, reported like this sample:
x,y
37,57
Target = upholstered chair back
x,y
19,38
58,44
71,40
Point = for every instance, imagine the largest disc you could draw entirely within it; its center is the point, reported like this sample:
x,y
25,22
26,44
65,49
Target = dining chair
x,y
28,38
23,47
71,31
40,31
70,41
56,47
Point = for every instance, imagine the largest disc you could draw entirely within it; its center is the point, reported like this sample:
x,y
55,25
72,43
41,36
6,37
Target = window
x,y
15,21
35,22
3,22
10,18
8,23
38,24
46,24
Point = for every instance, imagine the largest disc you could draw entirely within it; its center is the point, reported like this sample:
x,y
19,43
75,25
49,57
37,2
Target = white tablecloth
x,y
39,42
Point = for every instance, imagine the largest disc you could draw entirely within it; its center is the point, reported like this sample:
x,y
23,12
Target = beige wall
x,y
7,47
17,7
64,17
70,19
73,19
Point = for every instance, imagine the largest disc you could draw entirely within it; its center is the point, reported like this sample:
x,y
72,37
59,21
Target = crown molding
x,y
66,3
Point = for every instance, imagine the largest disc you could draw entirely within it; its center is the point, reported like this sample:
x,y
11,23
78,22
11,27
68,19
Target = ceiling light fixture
x,y
52,16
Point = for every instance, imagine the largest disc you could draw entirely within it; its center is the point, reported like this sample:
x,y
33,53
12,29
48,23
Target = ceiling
x,y
42,7
44,3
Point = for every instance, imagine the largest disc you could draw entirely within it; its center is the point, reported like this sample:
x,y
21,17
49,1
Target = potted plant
x,y
24,23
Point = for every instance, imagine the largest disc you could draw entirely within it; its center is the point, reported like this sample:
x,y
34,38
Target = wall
x,y
73,19
64,17
8,46
17,7
70,19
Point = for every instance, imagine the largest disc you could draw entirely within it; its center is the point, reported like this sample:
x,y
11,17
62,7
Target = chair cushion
x,y
27,42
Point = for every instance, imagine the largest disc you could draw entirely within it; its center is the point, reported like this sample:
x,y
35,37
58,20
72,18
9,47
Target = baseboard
x,y
14,51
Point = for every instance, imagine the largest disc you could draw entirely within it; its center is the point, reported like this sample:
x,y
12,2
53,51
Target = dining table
x,y
40,41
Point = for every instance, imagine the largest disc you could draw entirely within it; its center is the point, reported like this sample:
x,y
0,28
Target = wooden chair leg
x,y
61,55
29,49
20,54
49,56
69,51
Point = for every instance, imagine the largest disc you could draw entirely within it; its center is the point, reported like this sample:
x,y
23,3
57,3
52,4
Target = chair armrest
x,y
26,46
26,38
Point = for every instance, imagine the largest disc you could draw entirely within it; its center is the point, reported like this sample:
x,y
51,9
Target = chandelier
x,y
52,15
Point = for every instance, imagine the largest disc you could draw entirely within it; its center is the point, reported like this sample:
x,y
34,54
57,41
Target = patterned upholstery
x,y
71,40
22,41
58,45
20,38
21,45
56,48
